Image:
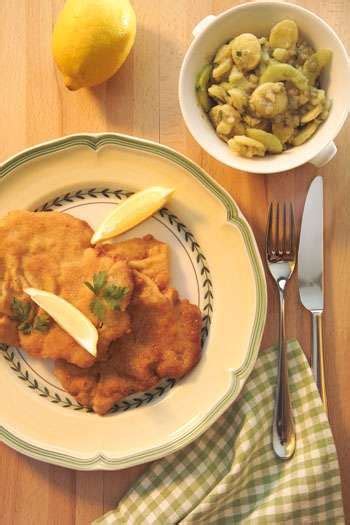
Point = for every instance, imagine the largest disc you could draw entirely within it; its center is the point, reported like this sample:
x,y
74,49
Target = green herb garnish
x,y
21,313
97,307
98,282
20,309
105,294
113,295
25,327
41,323
25,316
238,53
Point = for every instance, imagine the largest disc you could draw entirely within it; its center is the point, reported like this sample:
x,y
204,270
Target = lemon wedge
x,y
131,212
68,317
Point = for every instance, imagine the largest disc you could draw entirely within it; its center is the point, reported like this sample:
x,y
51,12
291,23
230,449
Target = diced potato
x,y
270,141
311,114
225,118
282,131
305,133
246,147
314,65
246,51
253,79
284,35
237,79
238,98
224,127
318,96
269,99
225,85
252,122
221,70
223,53
235,75
215,115
280,54
218,93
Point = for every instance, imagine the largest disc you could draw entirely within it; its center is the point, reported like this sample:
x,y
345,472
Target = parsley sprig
x,y
106,295
41,323
27,318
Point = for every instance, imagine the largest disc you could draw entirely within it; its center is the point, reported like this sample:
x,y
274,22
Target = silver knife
x,y
310,274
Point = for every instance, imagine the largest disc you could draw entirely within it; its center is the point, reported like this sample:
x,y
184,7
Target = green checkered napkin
x,y
230,474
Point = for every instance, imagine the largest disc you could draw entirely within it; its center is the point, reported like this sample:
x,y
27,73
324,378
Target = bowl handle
x,y
325,155
203,24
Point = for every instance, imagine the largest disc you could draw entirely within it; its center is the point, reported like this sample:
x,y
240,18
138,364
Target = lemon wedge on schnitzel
x,y
68,317
131,212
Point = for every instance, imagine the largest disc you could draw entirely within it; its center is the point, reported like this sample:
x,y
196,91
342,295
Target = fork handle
x,y
283,431
318,357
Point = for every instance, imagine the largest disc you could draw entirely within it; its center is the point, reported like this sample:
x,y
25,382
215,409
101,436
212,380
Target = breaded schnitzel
x,y
145,331
147,255
51,251
164,341
57,343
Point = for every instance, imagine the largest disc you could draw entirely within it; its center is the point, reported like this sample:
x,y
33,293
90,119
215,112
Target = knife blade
x,y
310,258
310,275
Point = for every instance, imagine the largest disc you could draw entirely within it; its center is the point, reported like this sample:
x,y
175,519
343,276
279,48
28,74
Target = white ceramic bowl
x,y
258,18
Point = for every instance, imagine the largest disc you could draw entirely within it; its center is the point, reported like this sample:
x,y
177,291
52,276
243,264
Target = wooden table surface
x,y
142,100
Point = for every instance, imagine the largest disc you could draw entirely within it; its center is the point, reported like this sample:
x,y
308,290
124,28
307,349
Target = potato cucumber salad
x,y
262,95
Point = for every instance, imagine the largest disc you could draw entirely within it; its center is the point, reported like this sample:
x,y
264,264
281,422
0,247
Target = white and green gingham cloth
x,y
230,474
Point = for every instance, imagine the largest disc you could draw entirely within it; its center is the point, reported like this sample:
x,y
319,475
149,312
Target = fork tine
x,y
277,230
284,239
292,231
269,238
280,242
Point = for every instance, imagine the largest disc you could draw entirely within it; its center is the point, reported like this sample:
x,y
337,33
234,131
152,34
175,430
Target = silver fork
x,y
280,258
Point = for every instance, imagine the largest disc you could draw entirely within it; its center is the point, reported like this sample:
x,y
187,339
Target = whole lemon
x,y
92,39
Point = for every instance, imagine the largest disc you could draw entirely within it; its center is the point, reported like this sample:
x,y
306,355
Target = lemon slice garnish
x,y
131,212
68,317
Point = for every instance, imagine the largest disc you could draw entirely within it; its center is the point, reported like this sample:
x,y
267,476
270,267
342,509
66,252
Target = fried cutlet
x,y
147,255
154,334
57,343
51,251
164,341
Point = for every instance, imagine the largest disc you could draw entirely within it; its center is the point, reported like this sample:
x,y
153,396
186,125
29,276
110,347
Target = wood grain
x,y
142,100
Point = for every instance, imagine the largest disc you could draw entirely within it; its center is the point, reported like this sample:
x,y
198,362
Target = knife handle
x,y
318,357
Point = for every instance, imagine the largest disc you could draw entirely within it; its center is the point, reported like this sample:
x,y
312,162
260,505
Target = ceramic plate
x,y
215,263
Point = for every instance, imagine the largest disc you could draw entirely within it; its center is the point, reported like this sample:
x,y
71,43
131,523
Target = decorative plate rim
x,y
238,377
